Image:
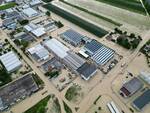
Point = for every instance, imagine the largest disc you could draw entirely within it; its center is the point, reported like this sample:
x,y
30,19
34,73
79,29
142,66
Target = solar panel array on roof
x,y
10,61
92,47
142,101
72,37
103,55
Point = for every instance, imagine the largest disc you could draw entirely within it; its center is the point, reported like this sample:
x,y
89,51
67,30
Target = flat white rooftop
x,y
30,12
10,61
39,32
57,47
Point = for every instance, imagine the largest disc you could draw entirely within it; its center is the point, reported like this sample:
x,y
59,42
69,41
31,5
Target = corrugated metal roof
x,y
40,51
10,61
133,85
56,47
73,60
30,12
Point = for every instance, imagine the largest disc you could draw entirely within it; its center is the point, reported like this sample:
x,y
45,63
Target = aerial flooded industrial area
x,y
74,56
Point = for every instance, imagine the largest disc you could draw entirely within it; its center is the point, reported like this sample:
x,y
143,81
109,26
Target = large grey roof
x,y
133,85
87,70
73,60
15,90
142,101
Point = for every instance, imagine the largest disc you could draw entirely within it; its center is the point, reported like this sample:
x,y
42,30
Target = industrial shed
x,y
87,70
56,48
35,30
39,32
51,64
73,61
131,87
10,62
16,91
24,36
72,37
140,102
30,27
29,12
39,53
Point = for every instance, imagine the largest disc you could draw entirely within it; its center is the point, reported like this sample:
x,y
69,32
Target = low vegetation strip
x,y
77,20
67,108
92,13
40,107
147,5
7,6
131,5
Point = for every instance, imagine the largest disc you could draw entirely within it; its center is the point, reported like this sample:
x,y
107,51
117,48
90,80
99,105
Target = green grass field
x,y
92,13
39,107
131,5
7,6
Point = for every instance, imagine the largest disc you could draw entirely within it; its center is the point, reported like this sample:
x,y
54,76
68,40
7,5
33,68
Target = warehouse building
x,y
102,56
131,87
10,62
72,37
35,30
52,64
9,23
35,2
87,70
24,36
140,102
16,91
30,27
56,47
73,61
38,52
29,12
38,32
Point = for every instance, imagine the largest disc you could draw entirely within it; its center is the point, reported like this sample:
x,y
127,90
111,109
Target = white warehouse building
x,y
56,48
10,61
39,53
